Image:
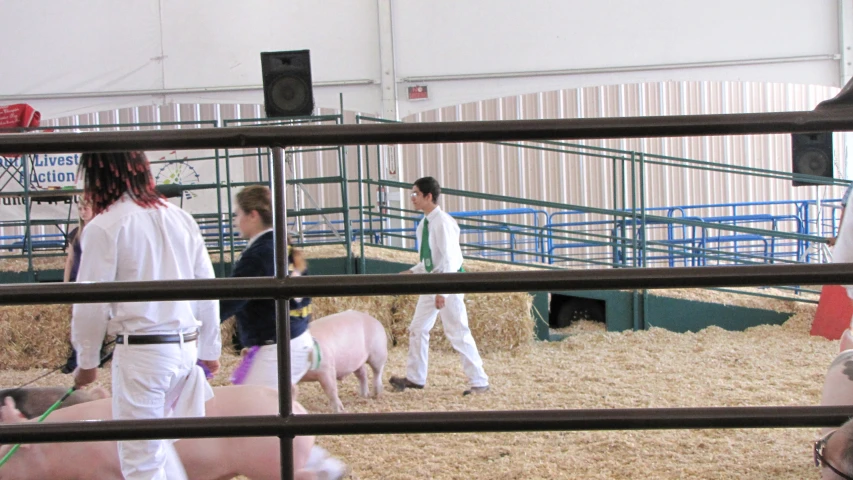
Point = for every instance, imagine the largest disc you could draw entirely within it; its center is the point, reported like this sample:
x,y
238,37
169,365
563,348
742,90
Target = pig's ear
x,y
9,413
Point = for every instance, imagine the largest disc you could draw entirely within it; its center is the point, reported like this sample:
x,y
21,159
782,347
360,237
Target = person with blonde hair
x,y
256,321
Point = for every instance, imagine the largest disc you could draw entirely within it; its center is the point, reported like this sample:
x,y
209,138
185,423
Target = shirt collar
x,y
434,213
252,240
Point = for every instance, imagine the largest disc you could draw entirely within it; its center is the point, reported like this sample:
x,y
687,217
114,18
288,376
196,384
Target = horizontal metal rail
x,y
431,422
481,282
829,119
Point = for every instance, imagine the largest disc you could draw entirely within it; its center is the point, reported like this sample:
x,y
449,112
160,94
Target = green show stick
x,y
41,418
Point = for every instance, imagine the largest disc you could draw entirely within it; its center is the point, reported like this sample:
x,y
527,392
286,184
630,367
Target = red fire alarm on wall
x,y
418,92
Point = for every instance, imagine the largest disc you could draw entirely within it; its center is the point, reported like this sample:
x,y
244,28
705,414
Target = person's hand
x,y
84,377
439,302
831,241
211,365
406,271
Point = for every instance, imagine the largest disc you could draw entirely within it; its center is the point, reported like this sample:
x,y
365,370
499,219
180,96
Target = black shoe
x,y
402,383
475,390
70,364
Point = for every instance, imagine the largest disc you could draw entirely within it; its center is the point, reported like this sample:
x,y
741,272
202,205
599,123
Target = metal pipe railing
x,y
281,288
282,306
483,282
432,422
830,119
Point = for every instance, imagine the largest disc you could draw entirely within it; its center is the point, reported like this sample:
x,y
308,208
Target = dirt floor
x,y
768,365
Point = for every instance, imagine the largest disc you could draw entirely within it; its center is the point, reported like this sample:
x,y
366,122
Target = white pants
x,y
144,376
264,369
454,319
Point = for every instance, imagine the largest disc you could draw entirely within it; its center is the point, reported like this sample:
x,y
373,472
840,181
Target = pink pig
x,y
348,341
203,458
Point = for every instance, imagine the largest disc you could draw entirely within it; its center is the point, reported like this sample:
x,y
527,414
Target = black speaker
x,y
287,83
812,155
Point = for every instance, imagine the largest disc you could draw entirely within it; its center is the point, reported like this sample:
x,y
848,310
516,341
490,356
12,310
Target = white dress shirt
x,y
443,243
130,243
842,252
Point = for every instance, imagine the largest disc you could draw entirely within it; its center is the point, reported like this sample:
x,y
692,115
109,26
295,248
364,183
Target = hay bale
x,y
328,251
34,336
37,336
410,257
380,307
227,330
498,321
377,306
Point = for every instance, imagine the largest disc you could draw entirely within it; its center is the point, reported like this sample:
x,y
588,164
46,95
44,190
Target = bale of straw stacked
x,y
37,336
34,336
498,321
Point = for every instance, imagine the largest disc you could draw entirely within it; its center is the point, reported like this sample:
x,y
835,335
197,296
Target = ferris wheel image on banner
x,y
178,172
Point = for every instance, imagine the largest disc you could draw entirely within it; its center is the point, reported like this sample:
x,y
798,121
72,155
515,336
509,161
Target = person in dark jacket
x,y
256,318
72,266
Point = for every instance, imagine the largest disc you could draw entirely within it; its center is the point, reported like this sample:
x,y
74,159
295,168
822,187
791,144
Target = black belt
x,y
154,339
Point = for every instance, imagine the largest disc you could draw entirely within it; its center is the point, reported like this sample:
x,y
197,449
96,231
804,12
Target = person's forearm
x,y
210,343
88,328
69,262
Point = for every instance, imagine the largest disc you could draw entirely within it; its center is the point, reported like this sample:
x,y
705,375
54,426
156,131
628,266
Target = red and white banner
x,y
19,115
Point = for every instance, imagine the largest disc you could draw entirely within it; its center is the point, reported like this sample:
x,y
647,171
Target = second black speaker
x,y
812,155
287,83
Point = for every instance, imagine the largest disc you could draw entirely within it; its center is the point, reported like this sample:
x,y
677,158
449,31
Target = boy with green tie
x,y
438,236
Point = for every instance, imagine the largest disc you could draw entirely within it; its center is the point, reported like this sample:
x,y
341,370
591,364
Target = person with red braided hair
x,y
136,235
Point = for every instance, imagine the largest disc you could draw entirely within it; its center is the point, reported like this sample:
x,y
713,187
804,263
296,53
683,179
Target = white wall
x,y
140,47
632,41
502,35
76,57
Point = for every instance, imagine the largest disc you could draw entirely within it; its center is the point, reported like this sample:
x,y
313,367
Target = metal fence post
x,y
282,306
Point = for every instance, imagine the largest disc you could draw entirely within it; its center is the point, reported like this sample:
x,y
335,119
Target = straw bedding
x,y
766,365
39,263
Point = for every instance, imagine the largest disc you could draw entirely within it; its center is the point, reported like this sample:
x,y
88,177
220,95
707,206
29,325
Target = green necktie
x,y
426,253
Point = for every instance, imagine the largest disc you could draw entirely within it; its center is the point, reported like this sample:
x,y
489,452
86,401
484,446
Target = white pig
x,y
203,458
348,341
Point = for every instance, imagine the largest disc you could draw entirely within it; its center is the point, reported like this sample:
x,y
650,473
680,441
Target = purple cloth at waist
x,y
239,375
207,373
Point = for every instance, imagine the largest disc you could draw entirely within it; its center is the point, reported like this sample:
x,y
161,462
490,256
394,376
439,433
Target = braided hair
x,y
109,175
